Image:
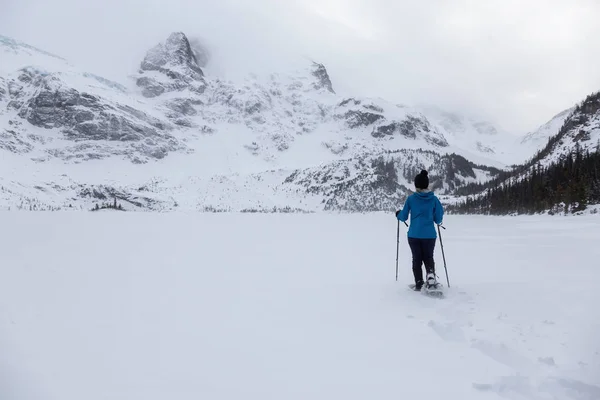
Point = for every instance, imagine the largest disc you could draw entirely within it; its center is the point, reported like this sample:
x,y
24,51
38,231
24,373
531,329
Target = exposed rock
x,y
253,105
408,128
348,101
176,52
373,107
336,148
84,116
3,89
182,106
386,130
12,141
436,139
282,140
484,149
177,65
15,93
411,128
355,119
45,101
323,80
186,123
150,88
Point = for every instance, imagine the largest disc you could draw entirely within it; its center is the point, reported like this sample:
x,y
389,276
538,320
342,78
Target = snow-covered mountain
x,y
50,110
559,177
537,139
167,135
580,129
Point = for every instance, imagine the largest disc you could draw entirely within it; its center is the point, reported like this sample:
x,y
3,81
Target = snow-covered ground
x,y
182,306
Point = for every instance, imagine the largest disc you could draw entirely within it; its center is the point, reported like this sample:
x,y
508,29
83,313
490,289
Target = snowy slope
x,y
480,139
537,139
305,307
82,116
574,130
581,129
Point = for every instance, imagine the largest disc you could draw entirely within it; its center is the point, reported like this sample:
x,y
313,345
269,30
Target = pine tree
x,y
573,180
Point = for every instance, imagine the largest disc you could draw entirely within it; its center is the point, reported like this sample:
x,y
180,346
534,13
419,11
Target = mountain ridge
x,y
561,177
175,118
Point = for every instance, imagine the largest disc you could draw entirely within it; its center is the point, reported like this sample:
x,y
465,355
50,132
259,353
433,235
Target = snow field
x,y
227,306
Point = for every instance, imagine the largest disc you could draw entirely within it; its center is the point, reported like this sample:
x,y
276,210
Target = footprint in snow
x,y
448,331
520,387
572,389
502,354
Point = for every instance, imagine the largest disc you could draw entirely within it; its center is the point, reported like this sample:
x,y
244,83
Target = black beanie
x,y
422,180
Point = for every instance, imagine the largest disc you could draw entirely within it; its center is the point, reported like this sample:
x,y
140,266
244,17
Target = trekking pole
x,y
397,248
443,255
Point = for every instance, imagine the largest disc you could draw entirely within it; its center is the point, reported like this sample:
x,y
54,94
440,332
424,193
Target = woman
x,y
425,209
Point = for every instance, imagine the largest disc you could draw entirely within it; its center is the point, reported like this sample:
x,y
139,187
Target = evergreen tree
x,y
573,180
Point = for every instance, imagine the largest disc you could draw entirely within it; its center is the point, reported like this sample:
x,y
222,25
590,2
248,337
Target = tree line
x,y
568,184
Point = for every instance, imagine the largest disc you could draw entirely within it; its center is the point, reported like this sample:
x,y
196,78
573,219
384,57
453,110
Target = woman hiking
x,y
425,209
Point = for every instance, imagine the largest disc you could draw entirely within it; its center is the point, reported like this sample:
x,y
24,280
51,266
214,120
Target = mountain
x,y
49,110
172,136
580,130
478,137
539,138
561,177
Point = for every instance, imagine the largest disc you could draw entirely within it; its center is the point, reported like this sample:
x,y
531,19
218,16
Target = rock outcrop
x,y
171,66
323,80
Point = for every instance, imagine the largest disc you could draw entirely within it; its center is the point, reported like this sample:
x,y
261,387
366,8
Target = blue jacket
x,y
425,209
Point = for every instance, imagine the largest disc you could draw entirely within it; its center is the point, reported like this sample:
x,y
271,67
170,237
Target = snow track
x,y
229,306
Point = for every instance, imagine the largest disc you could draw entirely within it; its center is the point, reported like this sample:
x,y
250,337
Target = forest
x,y
567,185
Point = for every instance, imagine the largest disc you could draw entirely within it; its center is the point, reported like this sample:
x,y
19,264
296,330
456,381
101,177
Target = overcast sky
x,y
514,62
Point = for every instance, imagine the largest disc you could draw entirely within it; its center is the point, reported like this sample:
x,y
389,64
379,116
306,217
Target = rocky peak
x,y
176,61
323,80
175,52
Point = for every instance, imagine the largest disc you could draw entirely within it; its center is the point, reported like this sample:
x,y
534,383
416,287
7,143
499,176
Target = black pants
x,y
422,253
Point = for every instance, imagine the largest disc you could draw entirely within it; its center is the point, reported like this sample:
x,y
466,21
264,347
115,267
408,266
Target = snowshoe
x,y
432,287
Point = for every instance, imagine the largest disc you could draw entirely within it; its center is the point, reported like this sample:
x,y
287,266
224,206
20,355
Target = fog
x,y
511,62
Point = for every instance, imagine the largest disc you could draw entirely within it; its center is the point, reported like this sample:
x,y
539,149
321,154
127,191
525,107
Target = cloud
x,y
513,62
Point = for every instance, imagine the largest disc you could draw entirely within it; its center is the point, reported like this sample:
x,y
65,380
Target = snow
x,y
230,306
478,141
537,139
16,55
